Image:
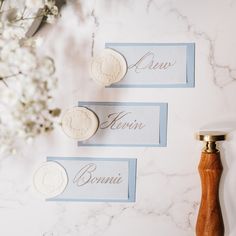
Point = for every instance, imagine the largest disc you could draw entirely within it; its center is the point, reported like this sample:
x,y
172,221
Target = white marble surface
x,y
168,185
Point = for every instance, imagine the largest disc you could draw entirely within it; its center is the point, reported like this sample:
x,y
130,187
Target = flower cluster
x,y
27,80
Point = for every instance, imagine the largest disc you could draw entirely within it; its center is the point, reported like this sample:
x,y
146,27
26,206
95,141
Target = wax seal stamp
x,y
210,220
109,67
80,123
50,179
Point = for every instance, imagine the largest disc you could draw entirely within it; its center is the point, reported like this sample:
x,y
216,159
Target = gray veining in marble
x,y
168,185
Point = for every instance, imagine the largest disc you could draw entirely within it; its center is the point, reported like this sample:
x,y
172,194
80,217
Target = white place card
x,y
157,64
98,179
128,124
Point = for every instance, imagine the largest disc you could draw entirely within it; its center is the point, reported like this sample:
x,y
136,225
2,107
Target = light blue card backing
x,y
158,78
73,164
153,116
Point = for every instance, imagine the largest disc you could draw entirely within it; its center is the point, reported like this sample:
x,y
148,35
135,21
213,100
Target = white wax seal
x,y
50,179
79,123
108,67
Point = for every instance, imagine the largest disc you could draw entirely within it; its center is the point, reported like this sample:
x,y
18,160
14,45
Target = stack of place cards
x,y
117,124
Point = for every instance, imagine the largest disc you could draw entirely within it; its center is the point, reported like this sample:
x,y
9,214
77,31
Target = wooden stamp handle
x,y
210,221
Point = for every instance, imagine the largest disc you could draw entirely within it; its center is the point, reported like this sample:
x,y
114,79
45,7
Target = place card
x,y
157,65
98,179
128,124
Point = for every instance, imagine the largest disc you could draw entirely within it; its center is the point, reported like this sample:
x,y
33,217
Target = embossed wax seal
x,y
109,67
79,123
50,179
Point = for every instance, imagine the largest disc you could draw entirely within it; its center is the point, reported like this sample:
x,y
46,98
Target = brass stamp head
x,y
210,138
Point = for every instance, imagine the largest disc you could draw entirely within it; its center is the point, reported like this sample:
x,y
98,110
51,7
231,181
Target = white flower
x,y
8,47
26,58
34,4
4,69
10,15
54,10
50,19
26,80
50,3
46,66
13,33
8,97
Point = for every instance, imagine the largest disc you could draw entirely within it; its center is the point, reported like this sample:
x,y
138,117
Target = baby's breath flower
x,y
34,4
27,80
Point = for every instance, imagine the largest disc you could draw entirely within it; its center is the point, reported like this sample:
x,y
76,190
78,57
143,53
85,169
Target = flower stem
x,y
3,79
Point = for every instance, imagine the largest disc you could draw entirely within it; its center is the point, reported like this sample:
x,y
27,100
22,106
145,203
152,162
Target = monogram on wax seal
x,y
50,179
80,123
109,67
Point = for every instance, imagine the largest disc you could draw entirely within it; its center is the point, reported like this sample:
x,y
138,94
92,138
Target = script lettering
x,y
147,62
117,121
87,175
